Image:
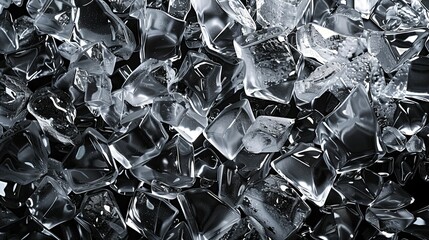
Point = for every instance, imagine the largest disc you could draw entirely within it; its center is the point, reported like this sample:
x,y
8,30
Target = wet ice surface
x,y
214,119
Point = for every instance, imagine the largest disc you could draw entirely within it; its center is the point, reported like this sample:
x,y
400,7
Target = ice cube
x,y
14,94
280,13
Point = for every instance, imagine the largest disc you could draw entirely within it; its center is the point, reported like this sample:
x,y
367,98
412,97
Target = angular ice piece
x,y
55,113
179,231
397,86
173,166
8,36
365,7
106,27
39,60
56,18
14,94
231,184
389,221
306,169
221,22
125,184
179,8
325,45
150,215
267,134
56,171
23,153
94,58
341,223
100,213
415,145
393,49
352,121
345,20
191,126
143,140
227,130
393,139
272,64
89,165
170,109
207,215
98,88
409,117
392,15
163,190
305,126
253,166
163,35
207,163
406,165
416,84
26,31
14,195
419,227
392,197
147,81
277,207
73,82
202,78
246,229
279,13
26,228
360,187
50,205
69,49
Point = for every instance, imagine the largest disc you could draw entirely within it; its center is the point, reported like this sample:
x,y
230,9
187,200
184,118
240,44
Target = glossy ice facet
x,y
272,65
345,20
89,165
14,195
50,205
94,58
147,81
202,78
416,84
14,95
143,140
227,130
280,13
163,190
409,117
267,134
393,139
55,113
179,8
389,221
173,166
207,215
207,163
150,215
98,88
8,36
100,213
170,109
231,184
365,7
256,166
352,121
360,187
406,165
306,169
415,145
275,206
325,45
97,23
179,231
419,227
23,153
163,35
392,197
221,22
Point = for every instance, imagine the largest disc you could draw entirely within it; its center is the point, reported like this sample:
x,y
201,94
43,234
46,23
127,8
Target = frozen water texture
x,y
280,13
14,95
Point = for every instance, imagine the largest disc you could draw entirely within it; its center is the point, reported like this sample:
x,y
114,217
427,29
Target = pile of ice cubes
x,y
214,119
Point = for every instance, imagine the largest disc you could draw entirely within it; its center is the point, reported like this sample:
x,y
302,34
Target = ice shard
x,y
419,228
150,215
338,138
94,58
272,64
393,139
23,153
174,166
345,20
392,197
277,207
365,7
179,8
306,169
50,205
228,129
8,35
278,13
406,165
267,134
409,117
207,215
389,221
416,82
55,113
100,213
221,22
14,94
231,184
90,165
415,145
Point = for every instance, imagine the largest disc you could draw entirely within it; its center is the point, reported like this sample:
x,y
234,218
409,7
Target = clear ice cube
x,y
90,165
409,117
352,121
14,95
94,58
179,8
150,215
277,207
272,64
50,205
267,134
228,129
306,169
415,145
280,13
